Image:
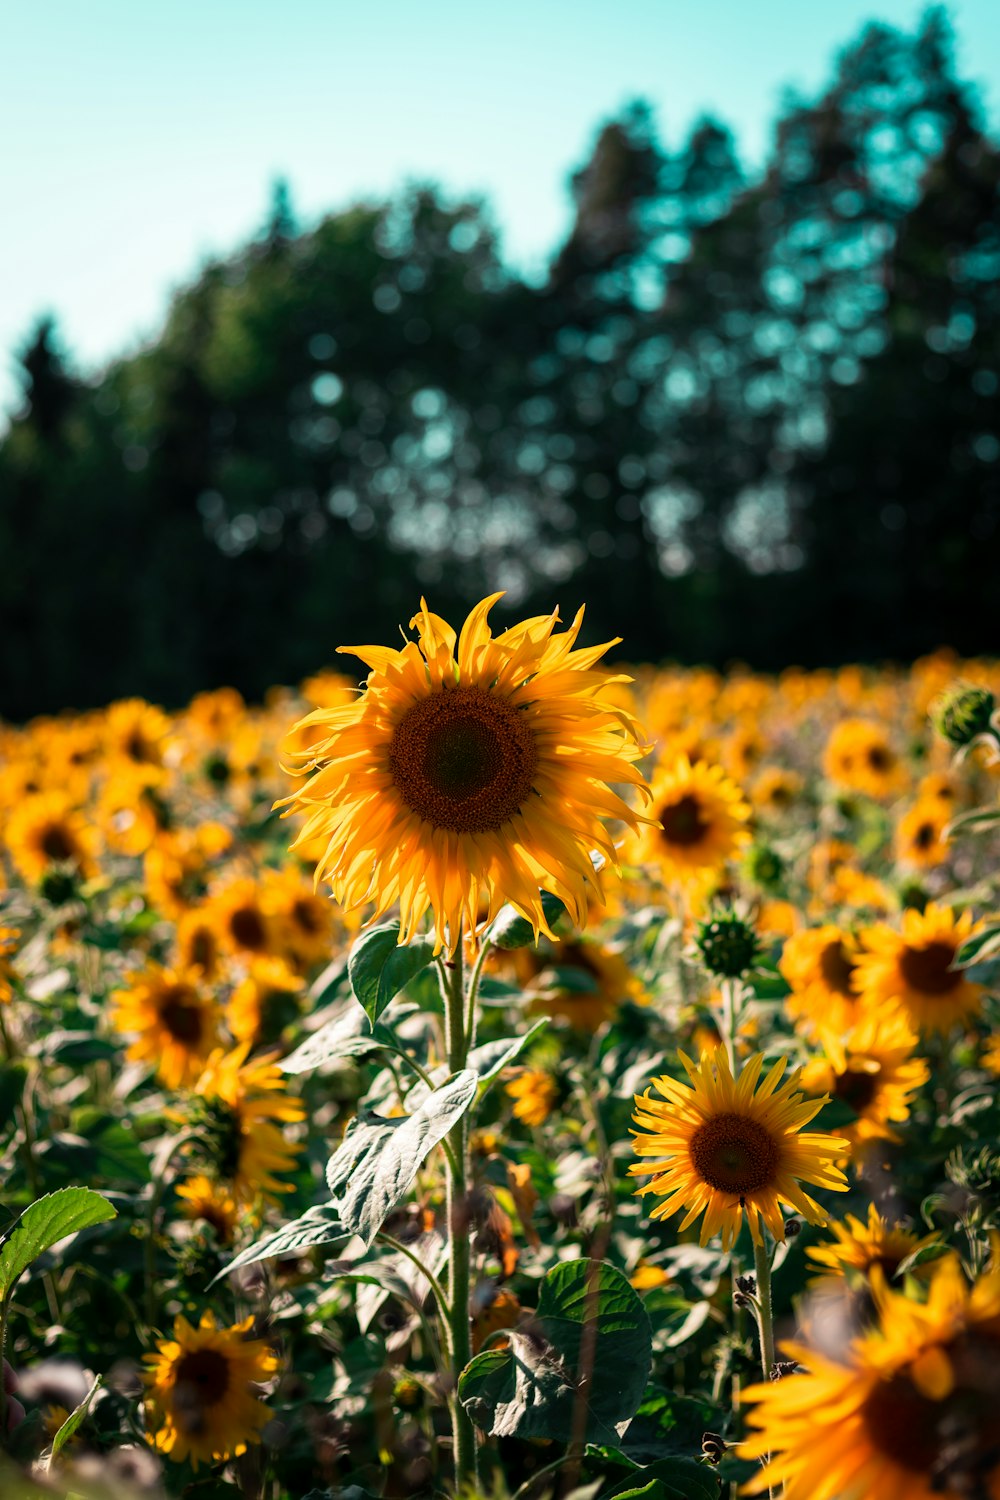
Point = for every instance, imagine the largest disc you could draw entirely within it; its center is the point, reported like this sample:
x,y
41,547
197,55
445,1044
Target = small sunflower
x,y
240,1109
910,1412
471,771
534,1093
175,1022
212,1202
820,965
859,757
914,968
920,837
857,1247
136,732
202,1401
9,937
46,832
725,1145
577,980
702,818
243,920
264,1002
873,1071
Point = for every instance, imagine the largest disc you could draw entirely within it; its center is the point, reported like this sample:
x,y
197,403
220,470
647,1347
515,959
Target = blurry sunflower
x,y
820,966
859,757
9,937
724,1145
264,1002
307,918
911,1411
857,1246
914,967
776,790
175,1022
130,812
242,921
578,980
702,817
873,1071
136,731
197,943
919,835
45,832
212,1202
202,1403
469,773
239,1111
534,1092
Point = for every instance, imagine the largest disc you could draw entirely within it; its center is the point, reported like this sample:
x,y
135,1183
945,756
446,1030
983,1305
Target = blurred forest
x,y
742,418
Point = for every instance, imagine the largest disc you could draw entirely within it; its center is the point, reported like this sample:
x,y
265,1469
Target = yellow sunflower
x,y
136,731
175,1022
911,1412
820,966
470,772
47,831
534,1093
264,1002
202,1401
914,967
857,1247
859,757
8,974
873,1071
919,836
578,980
724,1145
243,920
212,1202
702,818
241,1107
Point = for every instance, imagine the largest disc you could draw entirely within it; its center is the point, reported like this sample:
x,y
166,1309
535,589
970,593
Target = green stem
x,y
732,996
765,1311
471,1014
459,1254
437,1290
157,1185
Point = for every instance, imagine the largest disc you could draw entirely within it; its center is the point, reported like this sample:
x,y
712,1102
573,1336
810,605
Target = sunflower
x,y
239,1111
534,1093
176,1023
196,943
820,966
46,831
776,790
306,918
914,967
910,1412
873,1071
264,1002
859,757
201,1198
578,980
857,1246
8,974
702,818
242,919
202,1403
136,732
469,773
723,1145
920,837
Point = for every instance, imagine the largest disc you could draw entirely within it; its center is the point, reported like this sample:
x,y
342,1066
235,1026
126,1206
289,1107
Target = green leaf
x,y
73,1421
44,1224
980,820
75,1048
379,1158
510,930
491,1058
378,967
338,1039
12,1077
674,1478
979,947
319,1225
589,1343
113,1145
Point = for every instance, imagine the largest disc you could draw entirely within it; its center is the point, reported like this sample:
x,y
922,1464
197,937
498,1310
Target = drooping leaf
x,y
674,1478
46,1222
319,1225
341,1037
378,967
589,1345
980,820
74,1419
979,947
379,1158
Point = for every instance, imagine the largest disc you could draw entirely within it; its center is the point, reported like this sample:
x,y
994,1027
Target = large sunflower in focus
x,y
914,967
702,817
910,1412
471,771
724,1145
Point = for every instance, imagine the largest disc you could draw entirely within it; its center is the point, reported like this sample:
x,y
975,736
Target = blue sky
x,y
140,138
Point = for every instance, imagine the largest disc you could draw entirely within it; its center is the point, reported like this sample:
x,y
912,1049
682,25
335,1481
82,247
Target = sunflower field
x,y
487,1071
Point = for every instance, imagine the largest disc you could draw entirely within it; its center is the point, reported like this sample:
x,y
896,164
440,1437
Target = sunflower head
x,y
701,822
859,1246
472,770
915,967
963,712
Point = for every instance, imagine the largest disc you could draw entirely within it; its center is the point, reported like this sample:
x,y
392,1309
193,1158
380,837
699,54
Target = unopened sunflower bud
x,y
408,1394
764,867
963,712
747,1284
727,944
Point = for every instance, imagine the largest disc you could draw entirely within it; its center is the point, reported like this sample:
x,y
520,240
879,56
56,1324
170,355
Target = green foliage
x,y
44,1224
319,1225
576,1371
379,967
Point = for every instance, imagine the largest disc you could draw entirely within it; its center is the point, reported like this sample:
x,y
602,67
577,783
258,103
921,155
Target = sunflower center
x,y
683,822
879,758
202,1377
925,836
305,917
180,1014
857,1087
56,843
953,1443
836,969
463,760
734,1154
928,969
247,927
202,949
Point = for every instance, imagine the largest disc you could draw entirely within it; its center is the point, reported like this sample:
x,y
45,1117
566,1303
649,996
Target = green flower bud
x,y
765,867
963,712
727,944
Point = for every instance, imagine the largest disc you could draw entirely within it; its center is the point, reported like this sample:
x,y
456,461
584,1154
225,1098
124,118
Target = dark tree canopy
x,y
742,417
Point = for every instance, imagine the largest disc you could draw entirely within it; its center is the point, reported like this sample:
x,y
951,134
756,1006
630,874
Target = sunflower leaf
x,y
44,1223
980,820
317,1226
979,947
379,1158
589,1343
510,930
379,967
73,1421
339,1038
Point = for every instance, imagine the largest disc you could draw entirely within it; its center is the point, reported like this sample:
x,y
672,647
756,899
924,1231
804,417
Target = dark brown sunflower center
x,y
180,1014
734,1154
202,948
56,843
857,1087
880,758
202,1379
247,927
925,836
928,969
954,1443
683,822
836,969
464,760
304,917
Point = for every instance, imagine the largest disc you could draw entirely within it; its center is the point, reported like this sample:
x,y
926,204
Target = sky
x,y
140,139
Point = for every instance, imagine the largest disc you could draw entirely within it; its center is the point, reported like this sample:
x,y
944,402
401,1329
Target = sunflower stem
x,y
764,1309
459,1252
